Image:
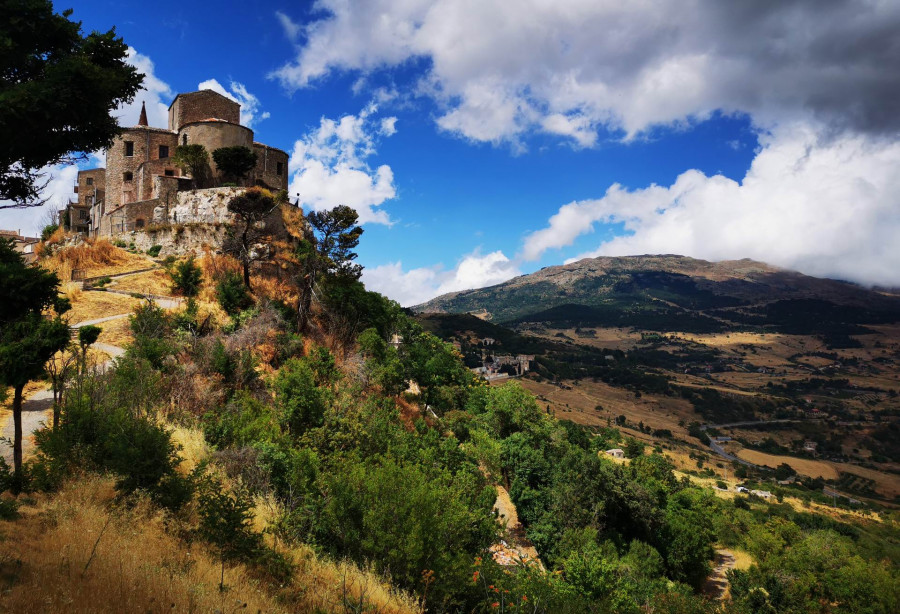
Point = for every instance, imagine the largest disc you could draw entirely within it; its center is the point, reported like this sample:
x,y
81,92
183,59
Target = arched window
x,y
184,139
139,223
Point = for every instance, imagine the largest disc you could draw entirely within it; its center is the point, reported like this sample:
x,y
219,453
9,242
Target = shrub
x,y
48,231
153,252
186,277
232,294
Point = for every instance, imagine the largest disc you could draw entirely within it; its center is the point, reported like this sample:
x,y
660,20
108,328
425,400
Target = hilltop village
x,y
141,184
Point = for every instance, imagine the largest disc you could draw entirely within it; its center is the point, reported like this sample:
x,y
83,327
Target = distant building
x,y
23,245
140,180
810,446
765,494
488,341
616,453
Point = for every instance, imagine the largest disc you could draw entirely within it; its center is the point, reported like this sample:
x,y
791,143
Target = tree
x,y
194,160
251,208
327,252
28,339
58,90
87,336
186,277
236,162
59,368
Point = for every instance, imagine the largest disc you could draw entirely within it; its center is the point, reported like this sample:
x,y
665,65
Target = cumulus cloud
x,y
155,93
421,284
329,165
569,68
250,105
826,207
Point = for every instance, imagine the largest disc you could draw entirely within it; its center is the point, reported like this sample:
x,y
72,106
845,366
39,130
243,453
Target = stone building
x,y
140,178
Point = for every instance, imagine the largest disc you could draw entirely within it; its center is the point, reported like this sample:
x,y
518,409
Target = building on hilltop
x,y
140,178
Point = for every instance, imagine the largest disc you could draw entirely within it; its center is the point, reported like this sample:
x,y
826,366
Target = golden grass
x,y
74,552
811,468
155,282
116,332
193,447
96,305
95,257
742,560
887,484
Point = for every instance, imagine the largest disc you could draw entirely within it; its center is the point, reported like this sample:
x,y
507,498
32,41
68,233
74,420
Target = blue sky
x,y
479,142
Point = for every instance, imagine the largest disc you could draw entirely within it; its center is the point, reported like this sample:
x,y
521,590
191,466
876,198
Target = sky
x,y
484,139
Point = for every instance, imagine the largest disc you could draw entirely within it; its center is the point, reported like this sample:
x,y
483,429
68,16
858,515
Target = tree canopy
x,y
236,162
58,90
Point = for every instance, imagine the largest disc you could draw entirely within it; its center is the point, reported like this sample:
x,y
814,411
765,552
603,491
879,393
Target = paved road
x,y
36,411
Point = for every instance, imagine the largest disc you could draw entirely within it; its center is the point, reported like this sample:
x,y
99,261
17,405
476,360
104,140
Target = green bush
x,y
186,277
232,294
104,436
153,252
48,231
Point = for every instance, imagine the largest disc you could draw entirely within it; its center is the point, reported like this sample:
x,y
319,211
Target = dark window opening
x,y
169,172
279,168
129,148
139,223
184,139
163,151
127,176
90,181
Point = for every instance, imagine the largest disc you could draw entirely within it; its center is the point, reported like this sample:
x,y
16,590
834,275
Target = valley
x,y
663,346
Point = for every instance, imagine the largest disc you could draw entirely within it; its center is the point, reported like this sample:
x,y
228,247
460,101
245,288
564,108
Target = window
x,y
139,223
129,148
184,139
170,172
279,168
90,181
127,176
83,215
163,151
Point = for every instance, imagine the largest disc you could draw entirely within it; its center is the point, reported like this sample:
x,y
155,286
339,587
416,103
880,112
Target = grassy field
x,y
155,282
803,466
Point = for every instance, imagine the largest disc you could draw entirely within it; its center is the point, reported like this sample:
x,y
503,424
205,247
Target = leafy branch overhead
x,y
58,92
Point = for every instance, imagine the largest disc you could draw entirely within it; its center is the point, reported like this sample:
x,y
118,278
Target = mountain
x,y
676,293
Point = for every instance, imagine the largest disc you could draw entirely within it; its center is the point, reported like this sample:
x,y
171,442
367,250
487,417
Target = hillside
x,y
676,293
657,343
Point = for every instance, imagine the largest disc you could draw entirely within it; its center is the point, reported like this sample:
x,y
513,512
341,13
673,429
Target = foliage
x,y
151,327
48,231
28,339
154,250
186,277
194,160
232,294
58,90
235,162
251,208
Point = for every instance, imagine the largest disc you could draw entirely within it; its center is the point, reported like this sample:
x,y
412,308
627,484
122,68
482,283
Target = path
x,y
36,411
717,585
519,548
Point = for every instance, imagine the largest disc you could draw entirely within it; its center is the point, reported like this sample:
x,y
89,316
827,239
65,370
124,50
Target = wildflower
x,y
475,577
496,604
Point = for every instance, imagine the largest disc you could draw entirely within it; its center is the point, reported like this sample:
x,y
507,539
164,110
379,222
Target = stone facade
x,y
140,175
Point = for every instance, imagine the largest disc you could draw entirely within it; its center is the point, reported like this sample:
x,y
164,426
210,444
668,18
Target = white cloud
x,y
60,181
421,284
250,105
155,93
570,67
389,126
824,206
291,29
329,166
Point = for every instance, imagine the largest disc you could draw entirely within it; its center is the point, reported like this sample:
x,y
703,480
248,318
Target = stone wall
x,y
269,161
209,206
179,240
198,106
146,142
215,134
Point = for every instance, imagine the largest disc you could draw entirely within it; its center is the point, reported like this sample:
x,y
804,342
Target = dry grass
x,y
74,552
155,282
95,257
96,305
811,468
116,332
